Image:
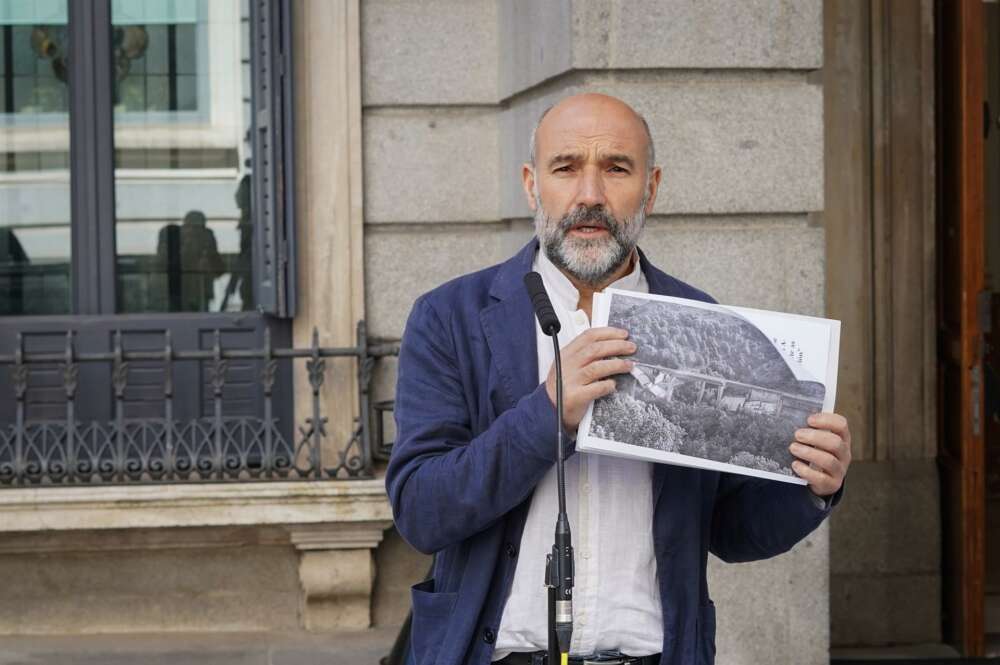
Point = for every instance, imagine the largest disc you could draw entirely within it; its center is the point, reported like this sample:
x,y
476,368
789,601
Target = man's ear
x,y
528,182
653,186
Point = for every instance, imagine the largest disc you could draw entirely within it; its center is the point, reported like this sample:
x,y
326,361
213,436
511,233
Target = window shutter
x,y
273,157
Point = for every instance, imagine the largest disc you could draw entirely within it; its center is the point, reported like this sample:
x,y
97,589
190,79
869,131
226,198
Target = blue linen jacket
x,y
476,432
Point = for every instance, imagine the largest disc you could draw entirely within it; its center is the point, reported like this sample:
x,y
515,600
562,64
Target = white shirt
x,y
616,600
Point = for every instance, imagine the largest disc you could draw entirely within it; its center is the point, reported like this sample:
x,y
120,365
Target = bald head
x,y
589,107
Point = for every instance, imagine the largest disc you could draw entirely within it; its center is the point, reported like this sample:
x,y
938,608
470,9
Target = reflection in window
x,y
155,67
183,227
34,158
34,68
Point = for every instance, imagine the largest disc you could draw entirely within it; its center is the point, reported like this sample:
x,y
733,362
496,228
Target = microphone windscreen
x,y
547,318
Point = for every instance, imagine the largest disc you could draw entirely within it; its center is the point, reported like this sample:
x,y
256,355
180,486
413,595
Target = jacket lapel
x,y
660,283
509,327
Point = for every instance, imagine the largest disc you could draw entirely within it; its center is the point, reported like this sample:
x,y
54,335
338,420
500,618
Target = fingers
x,y
597,334
824,452
833,422
819,459
824,440
819,482
587,348
597,389
605,349
601,369
830,432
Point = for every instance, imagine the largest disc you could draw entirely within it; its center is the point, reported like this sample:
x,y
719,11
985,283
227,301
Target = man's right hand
x,y
588,365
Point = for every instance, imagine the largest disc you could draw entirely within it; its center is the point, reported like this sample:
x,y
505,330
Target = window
x,y
35,243
145,157
183,154
145,194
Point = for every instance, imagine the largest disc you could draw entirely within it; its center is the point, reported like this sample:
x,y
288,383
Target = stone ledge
x,y
333,526
340,536
194,505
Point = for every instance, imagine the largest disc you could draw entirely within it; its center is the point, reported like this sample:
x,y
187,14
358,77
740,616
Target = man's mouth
x,y
589,229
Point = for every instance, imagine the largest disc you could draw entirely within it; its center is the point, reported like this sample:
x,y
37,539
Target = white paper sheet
x,y
714,387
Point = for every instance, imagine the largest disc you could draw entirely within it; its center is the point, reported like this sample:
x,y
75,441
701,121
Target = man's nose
x,y
591,190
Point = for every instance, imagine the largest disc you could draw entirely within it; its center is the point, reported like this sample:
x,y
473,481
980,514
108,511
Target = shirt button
x,y
582,622
586,487
586,554
511,550
489,636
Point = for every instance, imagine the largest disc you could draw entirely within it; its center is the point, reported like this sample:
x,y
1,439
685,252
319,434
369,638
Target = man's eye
x,y
563,169
618,169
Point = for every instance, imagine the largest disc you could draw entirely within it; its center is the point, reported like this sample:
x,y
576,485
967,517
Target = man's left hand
x,y
824,452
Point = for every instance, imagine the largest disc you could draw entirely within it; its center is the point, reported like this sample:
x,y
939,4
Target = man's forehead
x,y
571,141
600,123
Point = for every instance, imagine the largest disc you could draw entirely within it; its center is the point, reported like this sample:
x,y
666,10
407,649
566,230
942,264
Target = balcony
x,y
219,447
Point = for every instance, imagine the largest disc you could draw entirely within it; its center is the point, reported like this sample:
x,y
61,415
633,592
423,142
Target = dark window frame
x,y
273,129
92,167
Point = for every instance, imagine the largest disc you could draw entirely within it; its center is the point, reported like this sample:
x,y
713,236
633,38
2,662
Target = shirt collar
x,y
562,291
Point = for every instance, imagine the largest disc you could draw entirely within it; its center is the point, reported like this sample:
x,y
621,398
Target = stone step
x,y
347,648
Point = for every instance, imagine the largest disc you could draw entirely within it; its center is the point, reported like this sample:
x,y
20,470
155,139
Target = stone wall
x,y
138,588
450,92
885,551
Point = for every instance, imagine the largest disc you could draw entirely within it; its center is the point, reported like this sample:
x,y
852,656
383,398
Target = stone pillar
x,y
328,193
336,573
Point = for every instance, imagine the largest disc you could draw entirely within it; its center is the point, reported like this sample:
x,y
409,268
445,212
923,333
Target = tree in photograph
x,y
759,462
621,417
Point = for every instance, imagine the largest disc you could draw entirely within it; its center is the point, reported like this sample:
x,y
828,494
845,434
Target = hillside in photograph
x,y
693,339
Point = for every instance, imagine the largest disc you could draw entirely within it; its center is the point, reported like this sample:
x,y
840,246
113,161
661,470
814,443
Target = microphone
x,y
559,567
547,318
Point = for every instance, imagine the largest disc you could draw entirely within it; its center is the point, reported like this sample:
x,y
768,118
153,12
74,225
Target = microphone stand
x,y
559,564
559,571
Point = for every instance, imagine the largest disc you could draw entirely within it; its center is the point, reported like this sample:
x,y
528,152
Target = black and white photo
x,y
712,386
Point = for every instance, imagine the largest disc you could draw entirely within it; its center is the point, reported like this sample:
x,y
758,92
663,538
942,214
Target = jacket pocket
x,y
706,634
431,612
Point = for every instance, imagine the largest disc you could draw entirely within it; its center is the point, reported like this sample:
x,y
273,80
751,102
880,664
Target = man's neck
x,y
587,291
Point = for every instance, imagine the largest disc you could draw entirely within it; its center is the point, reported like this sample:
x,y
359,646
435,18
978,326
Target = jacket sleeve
x,y
757,519
444,484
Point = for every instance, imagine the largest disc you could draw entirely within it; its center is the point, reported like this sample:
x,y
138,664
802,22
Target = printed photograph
x,y
709,386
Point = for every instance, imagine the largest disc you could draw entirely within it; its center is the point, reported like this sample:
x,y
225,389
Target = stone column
x,y
336,573
328,204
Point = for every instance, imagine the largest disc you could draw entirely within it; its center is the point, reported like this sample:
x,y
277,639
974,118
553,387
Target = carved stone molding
x,y
341,536
336,573
195,505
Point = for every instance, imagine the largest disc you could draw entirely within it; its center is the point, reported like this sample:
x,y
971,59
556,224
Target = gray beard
x,y
590,261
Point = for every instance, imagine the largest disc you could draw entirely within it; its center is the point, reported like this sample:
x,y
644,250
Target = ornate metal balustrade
x,y
165,449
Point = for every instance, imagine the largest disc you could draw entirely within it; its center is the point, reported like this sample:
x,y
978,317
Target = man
x,y
472,477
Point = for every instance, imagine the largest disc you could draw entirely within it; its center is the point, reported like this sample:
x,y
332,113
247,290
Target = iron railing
x,y
219,447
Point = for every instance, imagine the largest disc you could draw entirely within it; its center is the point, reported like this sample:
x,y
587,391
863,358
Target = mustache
x,y
596,216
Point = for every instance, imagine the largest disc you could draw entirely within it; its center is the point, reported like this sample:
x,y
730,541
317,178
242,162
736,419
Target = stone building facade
x,y
411,122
